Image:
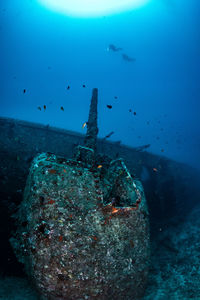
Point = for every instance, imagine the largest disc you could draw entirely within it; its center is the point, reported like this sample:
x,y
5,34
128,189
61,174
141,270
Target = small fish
x,y
114,210
162,150
44,107
99,167
24,91
83,85
62,108
134,113
109,106
128,58
130,110
155,169
68,87
84,124
39,108
113,48
115,97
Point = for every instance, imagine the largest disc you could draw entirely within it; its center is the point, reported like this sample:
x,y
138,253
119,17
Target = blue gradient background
x,y
43,52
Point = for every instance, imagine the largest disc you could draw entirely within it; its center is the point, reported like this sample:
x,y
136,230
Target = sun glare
x,y
92,8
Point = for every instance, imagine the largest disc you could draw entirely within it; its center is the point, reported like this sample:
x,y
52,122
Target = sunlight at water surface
x,y
92,8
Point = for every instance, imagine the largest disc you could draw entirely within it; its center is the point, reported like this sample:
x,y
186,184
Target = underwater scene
x,y
100,149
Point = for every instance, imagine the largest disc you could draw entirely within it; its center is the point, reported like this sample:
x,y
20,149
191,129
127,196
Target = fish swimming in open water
x,y
128,58
113,48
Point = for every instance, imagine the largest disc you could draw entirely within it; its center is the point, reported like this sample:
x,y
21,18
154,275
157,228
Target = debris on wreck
x,y
142,148
108,135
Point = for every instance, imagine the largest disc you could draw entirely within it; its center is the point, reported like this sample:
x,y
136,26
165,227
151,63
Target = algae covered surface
x,y
77,236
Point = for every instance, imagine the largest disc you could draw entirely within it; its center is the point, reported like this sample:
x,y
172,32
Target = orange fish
x,y
99,167
155,170
114,210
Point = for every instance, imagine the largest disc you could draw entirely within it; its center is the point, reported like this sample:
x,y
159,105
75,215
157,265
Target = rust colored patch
x,y
106,209
60,238
94,237
52,171
51,201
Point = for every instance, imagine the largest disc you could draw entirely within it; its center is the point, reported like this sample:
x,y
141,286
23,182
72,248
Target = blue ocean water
x,y
154,98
